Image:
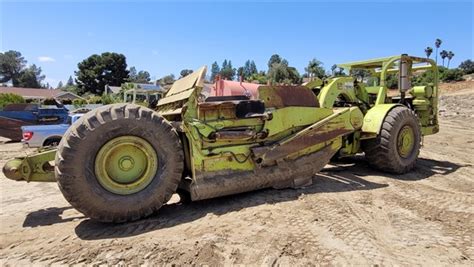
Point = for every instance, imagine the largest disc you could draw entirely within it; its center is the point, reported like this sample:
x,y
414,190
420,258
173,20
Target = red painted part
x,y
232,88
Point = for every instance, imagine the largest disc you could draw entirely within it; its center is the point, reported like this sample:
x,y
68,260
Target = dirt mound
x,y
446,88
456,100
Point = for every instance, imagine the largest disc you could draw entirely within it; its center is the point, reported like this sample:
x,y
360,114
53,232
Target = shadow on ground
x,y
175,214
47,216
341,176
425,168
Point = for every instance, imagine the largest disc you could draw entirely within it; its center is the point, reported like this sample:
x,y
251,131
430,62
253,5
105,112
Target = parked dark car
x,y
13,116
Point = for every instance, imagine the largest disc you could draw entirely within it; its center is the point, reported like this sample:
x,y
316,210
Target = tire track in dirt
x,y
440,199
339,221
454,224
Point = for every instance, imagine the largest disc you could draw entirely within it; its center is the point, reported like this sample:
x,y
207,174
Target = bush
x,y
109,99
452,75
49,102
391,81
467,66
94,100
445,75
258,77
79,102
9,98
424,78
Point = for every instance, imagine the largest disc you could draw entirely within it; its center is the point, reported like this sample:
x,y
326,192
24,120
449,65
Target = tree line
x,y
97,71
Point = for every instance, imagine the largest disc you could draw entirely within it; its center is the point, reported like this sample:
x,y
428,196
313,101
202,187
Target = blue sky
x,y
164,37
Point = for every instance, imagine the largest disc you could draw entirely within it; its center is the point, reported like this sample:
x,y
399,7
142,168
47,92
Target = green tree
x,y
166,81
12,64
315,69
215,69
278,71
143,77
9,98
31,77
467,66
252,68
428,51
185,73
132,74
391,81
241,73
60,85
294,76
248,69
274,59
438,43
97,71
450,56
260,77
443,54
227,71
360,74
70,81
140,77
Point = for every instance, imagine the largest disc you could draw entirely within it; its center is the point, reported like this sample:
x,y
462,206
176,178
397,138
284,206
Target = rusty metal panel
x,y
208,111
271,155
287,174
320,132
286,96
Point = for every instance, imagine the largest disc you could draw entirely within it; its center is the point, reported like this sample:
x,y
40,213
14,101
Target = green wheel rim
x,y
126,165
406,141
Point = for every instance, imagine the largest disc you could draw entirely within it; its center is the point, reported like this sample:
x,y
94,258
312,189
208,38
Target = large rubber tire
x,y
75,162
383,153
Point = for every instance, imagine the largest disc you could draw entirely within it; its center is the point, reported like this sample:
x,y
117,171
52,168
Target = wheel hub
x,y
126,165
406,141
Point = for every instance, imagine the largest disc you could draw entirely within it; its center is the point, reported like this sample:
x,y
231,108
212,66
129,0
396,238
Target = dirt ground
x,y
352,215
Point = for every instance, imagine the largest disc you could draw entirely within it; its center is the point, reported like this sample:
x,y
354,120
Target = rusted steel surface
x,y
287,174
235,134
272,153
287,96
217,110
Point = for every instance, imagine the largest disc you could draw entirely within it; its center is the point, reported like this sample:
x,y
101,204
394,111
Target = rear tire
x,y
52,142
398,144
79,165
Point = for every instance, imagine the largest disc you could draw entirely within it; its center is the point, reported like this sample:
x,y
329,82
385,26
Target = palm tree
x,y
428,51
314,69
450,56
438,43
443,54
